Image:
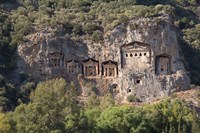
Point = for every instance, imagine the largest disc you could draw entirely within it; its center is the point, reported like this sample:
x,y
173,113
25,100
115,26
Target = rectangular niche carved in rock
x,y
72,66
109,69
136,55
56,59
90,68
163,64
41,67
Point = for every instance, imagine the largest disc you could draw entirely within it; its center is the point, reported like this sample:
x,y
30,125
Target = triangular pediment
x,y
90,60
56,54
110,63
136,46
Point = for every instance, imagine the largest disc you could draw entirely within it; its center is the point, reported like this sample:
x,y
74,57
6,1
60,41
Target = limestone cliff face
x,y
138,58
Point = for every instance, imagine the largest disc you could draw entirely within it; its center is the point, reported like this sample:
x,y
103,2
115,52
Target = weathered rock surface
x,y
142,59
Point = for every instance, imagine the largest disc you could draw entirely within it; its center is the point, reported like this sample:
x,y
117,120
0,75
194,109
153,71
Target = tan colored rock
x,y
146,52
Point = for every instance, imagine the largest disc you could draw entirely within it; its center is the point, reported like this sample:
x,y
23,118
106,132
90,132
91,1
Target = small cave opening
x,y
138,81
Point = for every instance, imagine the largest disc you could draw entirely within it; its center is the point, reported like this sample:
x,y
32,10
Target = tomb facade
x,y
163,64
90,68
109,69
41,67
56,59
72,67
136,55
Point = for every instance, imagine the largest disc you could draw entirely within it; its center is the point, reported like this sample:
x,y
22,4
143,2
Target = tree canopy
x,y
54,107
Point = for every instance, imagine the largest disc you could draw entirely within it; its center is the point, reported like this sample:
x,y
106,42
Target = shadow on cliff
x,y
20,76
71,49
9,5
192,58
78,51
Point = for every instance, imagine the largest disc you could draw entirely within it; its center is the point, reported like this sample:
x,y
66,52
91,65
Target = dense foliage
x,y
53,107
6,50
8,95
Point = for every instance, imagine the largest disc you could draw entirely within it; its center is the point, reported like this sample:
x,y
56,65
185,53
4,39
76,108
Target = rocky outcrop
x,y
138,58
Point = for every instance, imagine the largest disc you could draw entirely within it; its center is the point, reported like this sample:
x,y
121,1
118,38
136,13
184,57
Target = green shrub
x,y
68,27
123,19
132,98
184,23
110,18
77,29
97,36
92,101
89,28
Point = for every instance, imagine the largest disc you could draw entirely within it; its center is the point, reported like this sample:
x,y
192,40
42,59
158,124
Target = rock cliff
x,y
139,58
